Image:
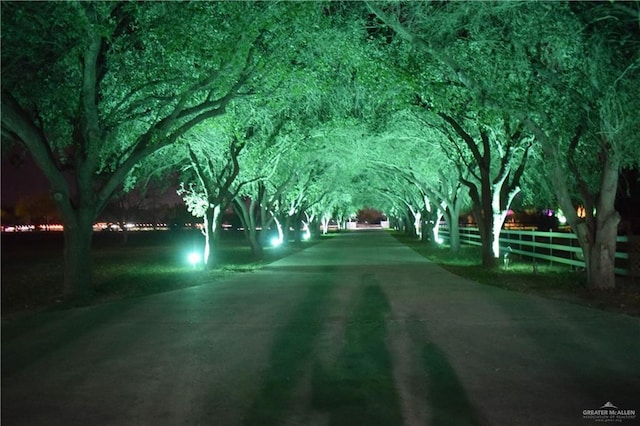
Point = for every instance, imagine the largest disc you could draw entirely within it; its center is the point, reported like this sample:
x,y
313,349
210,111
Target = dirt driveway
x,y
356,330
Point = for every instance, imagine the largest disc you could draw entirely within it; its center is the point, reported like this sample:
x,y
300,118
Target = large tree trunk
x,y
485,230
452,217
454,233
297,230
211,222
599,256
429,224
599,247
596,233
78,265
482,212
247,215
285,223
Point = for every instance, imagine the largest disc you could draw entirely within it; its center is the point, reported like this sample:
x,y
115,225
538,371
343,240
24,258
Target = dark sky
x,y
20,177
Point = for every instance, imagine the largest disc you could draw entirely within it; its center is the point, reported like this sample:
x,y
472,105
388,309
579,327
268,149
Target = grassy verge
x,y
148,263
550,281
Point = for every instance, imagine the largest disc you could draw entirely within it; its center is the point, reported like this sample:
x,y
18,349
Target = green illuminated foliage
x,y
309,109
119,81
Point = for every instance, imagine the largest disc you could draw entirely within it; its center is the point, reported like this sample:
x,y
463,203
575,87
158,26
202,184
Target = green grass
x,y
543,279
148,263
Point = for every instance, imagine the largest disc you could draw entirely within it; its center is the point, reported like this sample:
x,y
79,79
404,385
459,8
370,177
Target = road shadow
x,y
359,388
291,351
447,401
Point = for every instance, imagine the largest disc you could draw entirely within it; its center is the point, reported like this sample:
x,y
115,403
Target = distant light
x,y
561,217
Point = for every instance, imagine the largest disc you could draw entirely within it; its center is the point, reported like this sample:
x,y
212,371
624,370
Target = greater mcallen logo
x,y
609,413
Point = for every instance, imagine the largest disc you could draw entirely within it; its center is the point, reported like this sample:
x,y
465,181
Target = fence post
x,y
533,242
550,247
520,243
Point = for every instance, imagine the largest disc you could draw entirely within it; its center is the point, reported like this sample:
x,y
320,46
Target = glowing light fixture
x,y
561,217
276,241
307,232
194,258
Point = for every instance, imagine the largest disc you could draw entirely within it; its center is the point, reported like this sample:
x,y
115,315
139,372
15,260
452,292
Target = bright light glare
x,y
194,258
561,217
306,235
276,241
439,240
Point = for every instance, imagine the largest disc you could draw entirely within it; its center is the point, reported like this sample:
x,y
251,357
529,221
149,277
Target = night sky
x,y
20,177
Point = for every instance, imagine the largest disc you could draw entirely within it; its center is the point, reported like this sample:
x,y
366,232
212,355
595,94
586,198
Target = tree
x,y
595,135
213,188
258,164
562,77
494,161
415,148
91,89
591,180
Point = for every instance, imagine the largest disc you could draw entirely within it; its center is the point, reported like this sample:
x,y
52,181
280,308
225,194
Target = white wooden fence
x,y
554,247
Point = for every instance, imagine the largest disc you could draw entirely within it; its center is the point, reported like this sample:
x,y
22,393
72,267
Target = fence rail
x,y
555,247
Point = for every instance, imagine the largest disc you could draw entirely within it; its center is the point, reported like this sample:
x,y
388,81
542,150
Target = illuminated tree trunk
x,y
425,227
436,227
414,217
325,224
285,222
452,217
279,229
494,188
596,232
485,229
500,208
600,256
247,215
254,243
297,230
449,192
266,217
211,225
454,233
429,225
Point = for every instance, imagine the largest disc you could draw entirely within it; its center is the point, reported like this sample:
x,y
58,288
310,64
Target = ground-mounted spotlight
x,y
194,258
276,241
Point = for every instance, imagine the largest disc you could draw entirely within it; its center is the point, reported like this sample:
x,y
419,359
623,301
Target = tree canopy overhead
x,y
314,104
